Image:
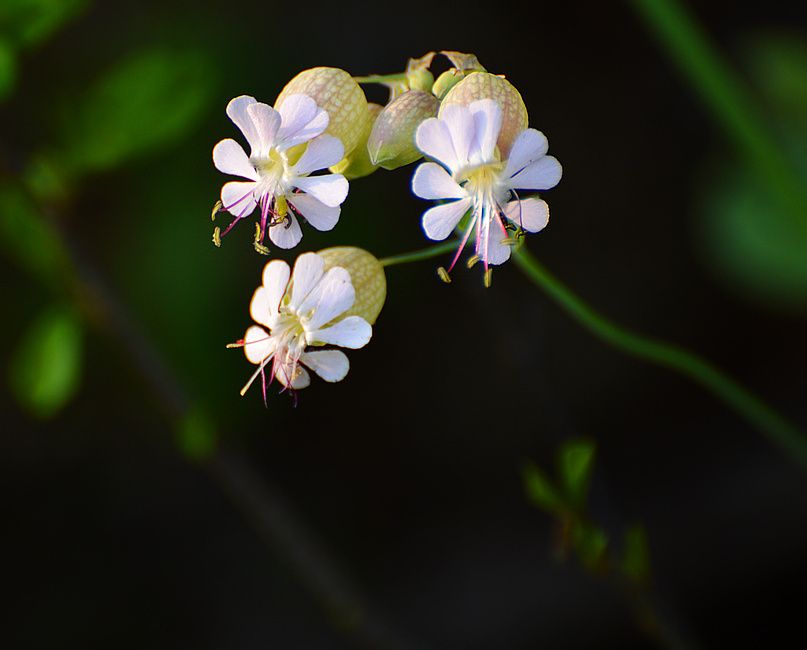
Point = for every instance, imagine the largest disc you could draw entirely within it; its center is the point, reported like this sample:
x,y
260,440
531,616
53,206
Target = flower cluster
x,y
483,165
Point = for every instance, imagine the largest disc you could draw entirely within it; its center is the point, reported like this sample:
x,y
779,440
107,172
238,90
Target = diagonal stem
x,y
757,412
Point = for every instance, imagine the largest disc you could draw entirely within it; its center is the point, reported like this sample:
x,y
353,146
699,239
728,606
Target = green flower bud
x,y
358,163
446,82
420,80
335,91
483,85
392,141
366,275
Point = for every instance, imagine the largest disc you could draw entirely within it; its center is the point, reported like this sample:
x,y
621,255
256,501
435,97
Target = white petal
x,y
495,252
237,112
531,214
490,246
528,147
460,124
275,279
258,345
260,309
543,174
330,189
321,153
332,297
230,158
487,118
430,181
319,215
440,221
302,121
238,198
331,365
433,138
308,271
287,234
351,332
300,379
267,122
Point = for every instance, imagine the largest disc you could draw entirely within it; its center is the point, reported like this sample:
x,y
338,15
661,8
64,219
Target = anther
x,y
217,236
444,275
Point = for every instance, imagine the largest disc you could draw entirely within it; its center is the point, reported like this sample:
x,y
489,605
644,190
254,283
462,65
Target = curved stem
x,y
417,256
753,409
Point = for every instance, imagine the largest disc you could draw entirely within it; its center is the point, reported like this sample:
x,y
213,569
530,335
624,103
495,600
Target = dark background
x,y
410,468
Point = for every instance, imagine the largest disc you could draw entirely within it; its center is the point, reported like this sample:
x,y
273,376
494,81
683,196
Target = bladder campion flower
x,y
286,146
300,315
463,140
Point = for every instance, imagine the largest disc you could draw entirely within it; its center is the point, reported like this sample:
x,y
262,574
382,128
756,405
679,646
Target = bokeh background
x,y
409,471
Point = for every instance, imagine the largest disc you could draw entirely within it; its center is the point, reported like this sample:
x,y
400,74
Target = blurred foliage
x,y
27,238
566,499
757,244
45,370
25,24
149,100
196,435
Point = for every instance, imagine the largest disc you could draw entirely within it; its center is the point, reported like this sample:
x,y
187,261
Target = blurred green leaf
x,y
8,68
756,244
541,491
45,369
29,22
750,245
575,464
196,435
149,100
28,239
636,563
591,545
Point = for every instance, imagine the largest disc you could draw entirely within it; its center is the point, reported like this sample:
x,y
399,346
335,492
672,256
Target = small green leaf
x,y
45,370
541,491
636,563
196,435
144,102
575,464
591,544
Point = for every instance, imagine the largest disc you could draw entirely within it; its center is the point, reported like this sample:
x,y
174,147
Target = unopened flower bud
x,y
420,80
366,275
483,85
335,91
358,163
446,82
392,141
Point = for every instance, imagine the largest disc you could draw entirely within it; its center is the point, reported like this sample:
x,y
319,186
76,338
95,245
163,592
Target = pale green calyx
x,y
392,140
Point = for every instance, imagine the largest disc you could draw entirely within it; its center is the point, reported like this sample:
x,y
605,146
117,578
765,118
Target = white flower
x,y
278,169
463,140
302,314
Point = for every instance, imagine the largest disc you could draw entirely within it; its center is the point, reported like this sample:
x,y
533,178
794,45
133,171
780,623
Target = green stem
x,y
757,412
381,78
418,256
726,95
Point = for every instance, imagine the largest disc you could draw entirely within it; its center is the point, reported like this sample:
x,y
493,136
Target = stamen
x,y
263,250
